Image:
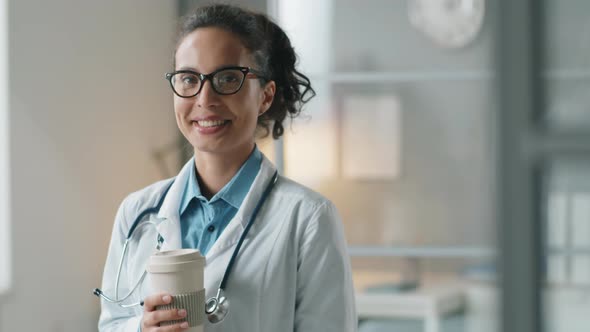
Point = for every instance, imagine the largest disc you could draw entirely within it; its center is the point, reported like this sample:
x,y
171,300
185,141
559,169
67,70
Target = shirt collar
x,y
233,192
191,188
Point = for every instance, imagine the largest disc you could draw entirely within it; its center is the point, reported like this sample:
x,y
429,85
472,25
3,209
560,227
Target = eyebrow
x,y
187,68
216,69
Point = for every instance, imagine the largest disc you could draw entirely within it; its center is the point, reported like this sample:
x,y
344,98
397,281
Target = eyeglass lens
x,y
224,82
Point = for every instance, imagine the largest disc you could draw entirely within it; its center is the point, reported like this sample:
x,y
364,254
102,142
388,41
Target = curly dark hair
x,y
272,52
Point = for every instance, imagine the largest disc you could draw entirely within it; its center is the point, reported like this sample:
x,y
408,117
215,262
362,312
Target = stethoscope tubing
x,y
156,209
132,229
246,230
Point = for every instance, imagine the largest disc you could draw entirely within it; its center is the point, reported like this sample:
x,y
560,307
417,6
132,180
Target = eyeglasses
x,y
225,81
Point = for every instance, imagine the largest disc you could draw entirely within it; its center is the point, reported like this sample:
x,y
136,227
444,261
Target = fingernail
x,y
182,312
184,325
166,298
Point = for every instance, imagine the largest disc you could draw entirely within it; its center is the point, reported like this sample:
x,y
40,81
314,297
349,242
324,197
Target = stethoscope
x,y
216,307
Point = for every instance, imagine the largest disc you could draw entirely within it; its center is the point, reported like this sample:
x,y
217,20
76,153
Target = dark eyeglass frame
x,y
204,77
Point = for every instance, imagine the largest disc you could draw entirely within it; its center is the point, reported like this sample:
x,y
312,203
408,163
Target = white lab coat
x,y
292,273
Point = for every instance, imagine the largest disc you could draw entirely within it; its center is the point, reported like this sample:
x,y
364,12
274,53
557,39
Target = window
x,y
5,245
568,230
401,136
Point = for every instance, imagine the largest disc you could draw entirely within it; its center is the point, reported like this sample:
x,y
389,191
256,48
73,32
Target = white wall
x,y
5,244
88,104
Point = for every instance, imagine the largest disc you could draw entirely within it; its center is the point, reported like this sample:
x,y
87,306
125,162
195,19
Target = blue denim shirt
x,y
202,220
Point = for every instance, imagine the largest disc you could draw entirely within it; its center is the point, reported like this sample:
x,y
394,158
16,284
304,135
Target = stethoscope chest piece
x,y
217,307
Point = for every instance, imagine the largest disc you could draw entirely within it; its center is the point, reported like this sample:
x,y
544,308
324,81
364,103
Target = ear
x,y
267,96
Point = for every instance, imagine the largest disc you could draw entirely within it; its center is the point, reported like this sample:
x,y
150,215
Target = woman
x,y
234,76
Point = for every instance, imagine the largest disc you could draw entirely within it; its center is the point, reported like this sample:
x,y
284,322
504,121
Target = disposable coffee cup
x,y
180,274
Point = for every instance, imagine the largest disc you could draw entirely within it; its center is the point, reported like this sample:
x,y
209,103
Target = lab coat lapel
x,y
231,235
169,228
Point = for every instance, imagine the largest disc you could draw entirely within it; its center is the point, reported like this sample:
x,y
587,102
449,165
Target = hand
x,y
152,318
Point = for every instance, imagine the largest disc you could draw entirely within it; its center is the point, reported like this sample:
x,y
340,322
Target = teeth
x,y
206,123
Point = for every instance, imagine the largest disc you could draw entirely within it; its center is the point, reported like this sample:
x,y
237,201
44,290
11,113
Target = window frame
x,y
5,202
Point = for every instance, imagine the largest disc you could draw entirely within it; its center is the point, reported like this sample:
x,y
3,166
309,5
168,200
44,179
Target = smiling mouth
x,y
211,124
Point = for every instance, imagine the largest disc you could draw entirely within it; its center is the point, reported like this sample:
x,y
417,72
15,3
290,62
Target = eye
x,y
188,79
228,77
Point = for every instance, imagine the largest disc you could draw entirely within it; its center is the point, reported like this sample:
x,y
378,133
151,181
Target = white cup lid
x,y
174,260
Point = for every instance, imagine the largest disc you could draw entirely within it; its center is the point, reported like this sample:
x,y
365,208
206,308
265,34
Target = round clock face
x,y
449,23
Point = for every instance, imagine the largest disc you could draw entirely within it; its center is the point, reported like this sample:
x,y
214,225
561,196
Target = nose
x,y
207,97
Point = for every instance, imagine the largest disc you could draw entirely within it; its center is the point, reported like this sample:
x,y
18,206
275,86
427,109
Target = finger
x,y
150,302
155,318
173,328
160,316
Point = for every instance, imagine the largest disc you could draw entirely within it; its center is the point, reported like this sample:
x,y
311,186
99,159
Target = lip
x,y
209,130
208,118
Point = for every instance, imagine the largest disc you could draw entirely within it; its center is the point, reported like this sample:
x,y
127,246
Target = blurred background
x,y
452,135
